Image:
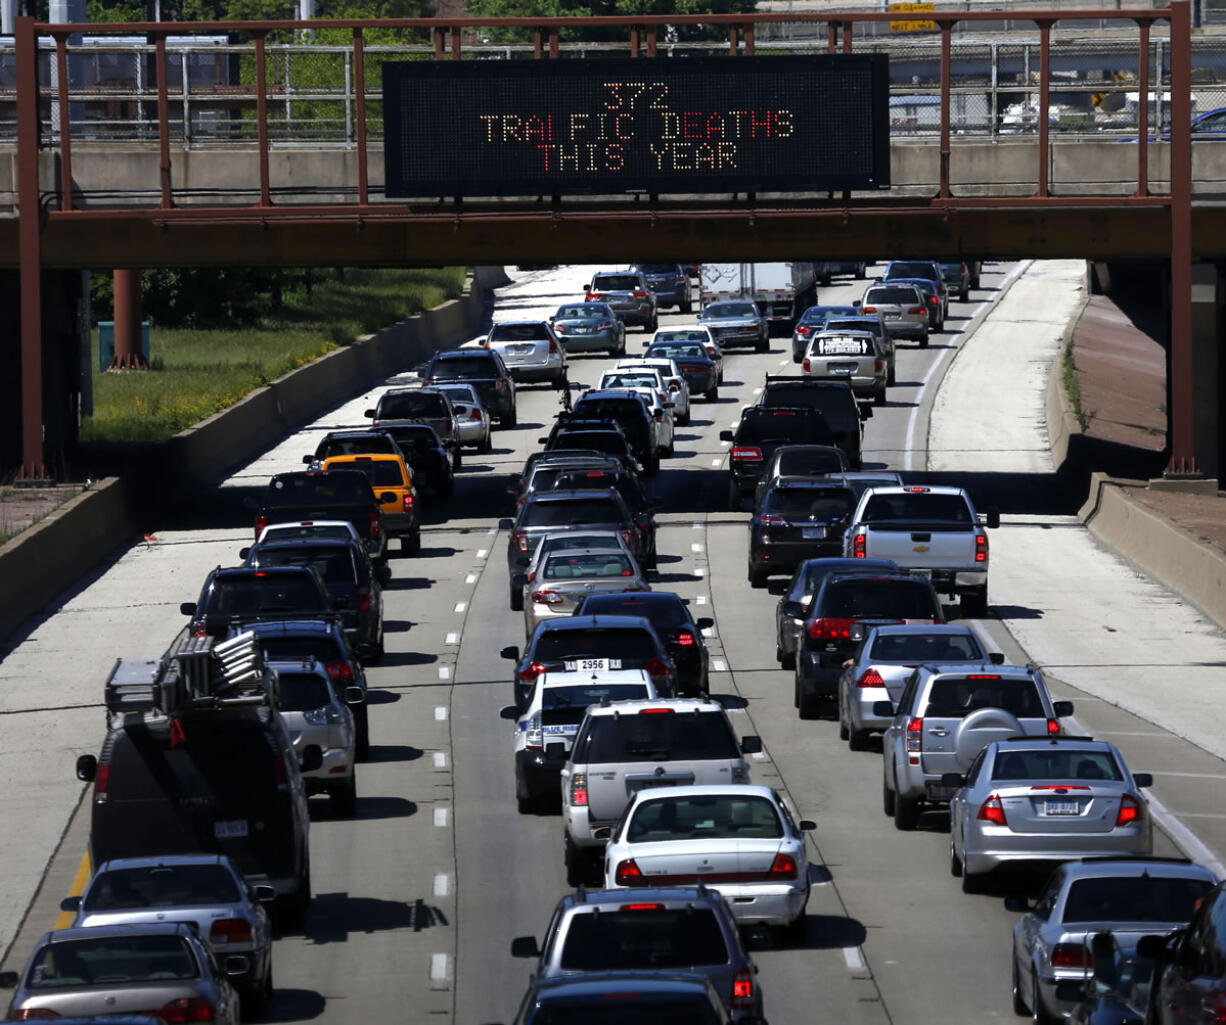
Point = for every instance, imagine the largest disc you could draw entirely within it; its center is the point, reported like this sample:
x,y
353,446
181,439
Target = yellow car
x,y
392,481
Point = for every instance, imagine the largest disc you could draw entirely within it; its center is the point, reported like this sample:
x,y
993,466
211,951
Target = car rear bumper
x,y
540,776
399,524
589,343
765,903
992,850
787,555
536,371
898,329
946,581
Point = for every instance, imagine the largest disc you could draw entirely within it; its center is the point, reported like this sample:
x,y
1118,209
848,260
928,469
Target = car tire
x,y
344,797
973,884
844,731
1038,1013
517,599
684,421
448,489
486,443
974,604
888,800
879,397
763,345
510,420
361,730
788,661
457,460
578,863
652,325
1019,1005
671,450
757,577
955,870
254,1001
807,704
906,812
735,501
712,394
652,465
380,650
296,907
857,740
410,544
686,308
924,340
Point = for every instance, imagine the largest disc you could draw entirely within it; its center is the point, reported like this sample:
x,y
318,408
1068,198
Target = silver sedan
x,y
565,577
471,414
590,327
1028,800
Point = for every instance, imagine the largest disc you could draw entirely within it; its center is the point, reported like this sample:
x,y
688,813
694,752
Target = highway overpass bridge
x,y
239,187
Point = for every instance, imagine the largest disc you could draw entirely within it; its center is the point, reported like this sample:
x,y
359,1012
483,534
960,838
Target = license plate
x,y
230,828
936,792
813,533
524,348
1055,807
578,330
592,665
846,369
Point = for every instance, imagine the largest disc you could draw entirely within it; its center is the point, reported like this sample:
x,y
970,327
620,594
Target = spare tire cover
x,y
979,729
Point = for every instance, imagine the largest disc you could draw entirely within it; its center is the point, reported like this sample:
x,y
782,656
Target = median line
x,y
79,882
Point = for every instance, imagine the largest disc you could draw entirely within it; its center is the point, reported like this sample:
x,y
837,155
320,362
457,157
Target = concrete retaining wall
x,y
51,556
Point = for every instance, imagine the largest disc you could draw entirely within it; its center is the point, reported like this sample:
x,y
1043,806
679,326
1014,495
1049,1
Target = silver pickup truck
x,y
927,529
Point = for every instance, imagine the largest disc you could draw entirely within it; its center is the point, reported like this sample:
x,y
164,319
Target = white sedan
x,y
673,381
737,839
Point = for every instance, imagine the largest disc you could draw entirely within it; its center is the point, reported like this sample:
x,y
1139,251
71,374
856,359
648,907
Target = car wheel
x,y
892,379
344,797
757,577
973,884
974,604
510,420
857,740
379,652
734,498
410,544
686,308
1019,1005
844,732
671,450
879,397
887,799
684,421
296,907
906,812
763,345
924,340
807,705
788,661
361,729
254,1003
712,394
517,599
955,870
652,466
1038,1013
578,863
457,460
793,934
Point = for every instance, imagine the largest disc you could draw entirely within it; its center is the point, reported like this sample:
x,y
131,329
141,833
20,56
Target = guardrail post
x,y
61,86
187,106
1143,112
994,112
348,98
359,90
261,115
163,125
1044,104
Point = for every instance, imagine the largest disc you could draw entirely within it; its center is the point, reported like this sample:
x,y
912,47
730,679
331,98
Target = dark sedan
x,y
695,364
812,321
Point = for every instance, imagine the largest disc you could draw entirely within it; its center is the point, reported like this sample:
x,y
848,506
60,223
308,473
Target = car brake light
x,y
915,309
339,671
641,907
639,295
627,534
915,736
260,523
376,526
628,872
1053,726
363,599
408,501
1071,955
992,811
230,930
804,329
102,780
742,989
868,309
500,384
474,414
870,678
657,711
784,866
859,546
932,299
829,629
656,667
748,453
521,540
533,670
1130,811
805,364
188,1009
685,640
981,548
916,489
553,345
546,598
578,790
879,366
770,520
594,297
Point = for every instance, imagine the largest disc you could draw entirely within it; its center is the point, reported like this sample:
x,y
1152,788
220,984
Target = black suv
x,y
425,405
760,432
485,371
605,436
834,621
432,465
797,519
577,643
833,399
627,409
333,495
237,595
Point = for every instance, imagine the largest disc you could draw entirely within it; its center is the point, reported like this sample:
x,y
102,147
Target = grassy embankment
x,y
196,373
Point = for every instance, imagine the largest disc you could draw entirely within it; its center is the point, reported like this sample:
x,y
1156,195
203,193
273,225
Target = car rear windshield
x,y
409,404
599,441
676,736
917,506
1056,764
704,817
1148,898
301,692
416,438
956,697
129,959
820,314
718,311
917,647
818,503
891,296
810,461
836,404
615,283
668,613
459,393
566,706
871,324
154,886
630,644
843,345
572,567
519,333
905,269
626,411
571,511
344,487
384,473
784,425
464,366
660,268
578,539
652,937
308,531
678,350
587,311
248,594
355,445
320,646
869,598
334,564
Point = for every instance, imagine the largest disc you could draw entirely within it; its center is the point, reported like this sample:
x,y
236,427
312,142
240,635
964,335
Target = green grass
x,y
1072,384
196,373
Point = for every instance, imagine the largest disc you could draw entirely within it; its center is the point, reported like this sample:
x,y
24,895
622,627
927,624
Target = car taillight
x,y
553,345
186,1010
531,672
485,343
1130,811
747,453
784,866
981,548
639,295
376,526
992,811
932,299
578,790
915,309
102,780
1053,726
408,501
879,366
828,629
685,640
546,598
628,534
533,739
859,546
915,736
770,520
594,297
657,667
805,364
742,989
230,930
868,309
475,414
870,678
500,384
1071,955
628,873
260,523
363,599
521,540
340,671
804,329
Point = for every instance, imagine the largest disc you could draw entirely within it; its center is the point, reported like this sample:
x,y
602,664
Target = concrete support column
x,y
129,354
1208,294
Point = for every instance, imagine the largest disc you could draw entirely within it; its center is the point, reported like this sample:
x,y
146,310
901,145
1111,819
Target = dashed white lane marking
x,y
460,606
759,756
482,553
851,955
444,673
708,632
719,665
440,713
696,547
440,817
734,424
700,600
453,639
784,362
471,578
698,526
442,885
440,759
438,967
700,572
726,444
492,531
716,462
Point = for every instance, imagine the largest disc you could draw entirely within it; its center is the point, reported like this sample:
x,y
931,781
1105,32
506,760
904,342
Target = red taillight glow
x,y
521,540
230,930
685,640
981,548
656,667
1130,811
376,526
408,501
804,329
628,873
532,672
553,346
805,365
340,671
363,599
829,629
1071,955
641,907
546,598
747,453
742,989
915,736
992,811
870,678
474,414
102,780
879,366
770,520
859,546
1053,726
578,790
186,1010
34,1013
784,866
868,309
260,523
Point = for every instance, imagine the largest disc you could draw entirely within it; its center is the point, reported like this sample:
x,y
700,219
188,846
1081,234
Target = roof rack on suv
x,y
200,673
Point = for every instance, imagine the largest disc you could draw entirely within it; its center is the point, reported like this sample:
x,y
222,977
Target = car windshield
x,y
677,350
382,473
866,598
925,647
651,936
809,462
334,564
667,613
407,405
344,487
302,692
355,445
1147,898
630,644
571,567
587,311
112,960
615,283
957,697
910,269
785,426
1056,764
815,503
704,817
464,366
679,736
891,296
534,332
721,311
570,511
151,886
920,506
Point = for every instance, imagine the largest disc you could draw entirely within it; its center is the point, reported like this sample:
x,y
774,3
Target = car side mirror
x,y
856,303
355,696
236,964
312,758
511,651
1062,708
369,414
705,623
508,712
992,518
806,825
1143,779
264,893
751,744
8,980
586,288
308,460
997,658
525,946
884,709
87,768
793,610
244,552
603,833
542,441
1017,903
952,779
70,904
726,436
505,524
555,751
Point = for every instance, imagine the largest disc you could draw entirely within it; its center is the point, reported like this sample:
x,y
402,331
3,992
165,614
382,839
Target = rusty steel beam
x,y
1044,105
946,73
1182,411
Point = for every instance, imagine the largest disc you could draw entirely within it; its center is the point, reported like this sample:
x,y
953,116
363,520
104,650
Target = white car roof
x,y
296,524
676,704
573,679
711,790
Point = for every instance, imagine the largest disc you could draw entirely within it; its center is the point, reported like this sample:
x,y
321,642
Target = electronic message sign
x,y
674,125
